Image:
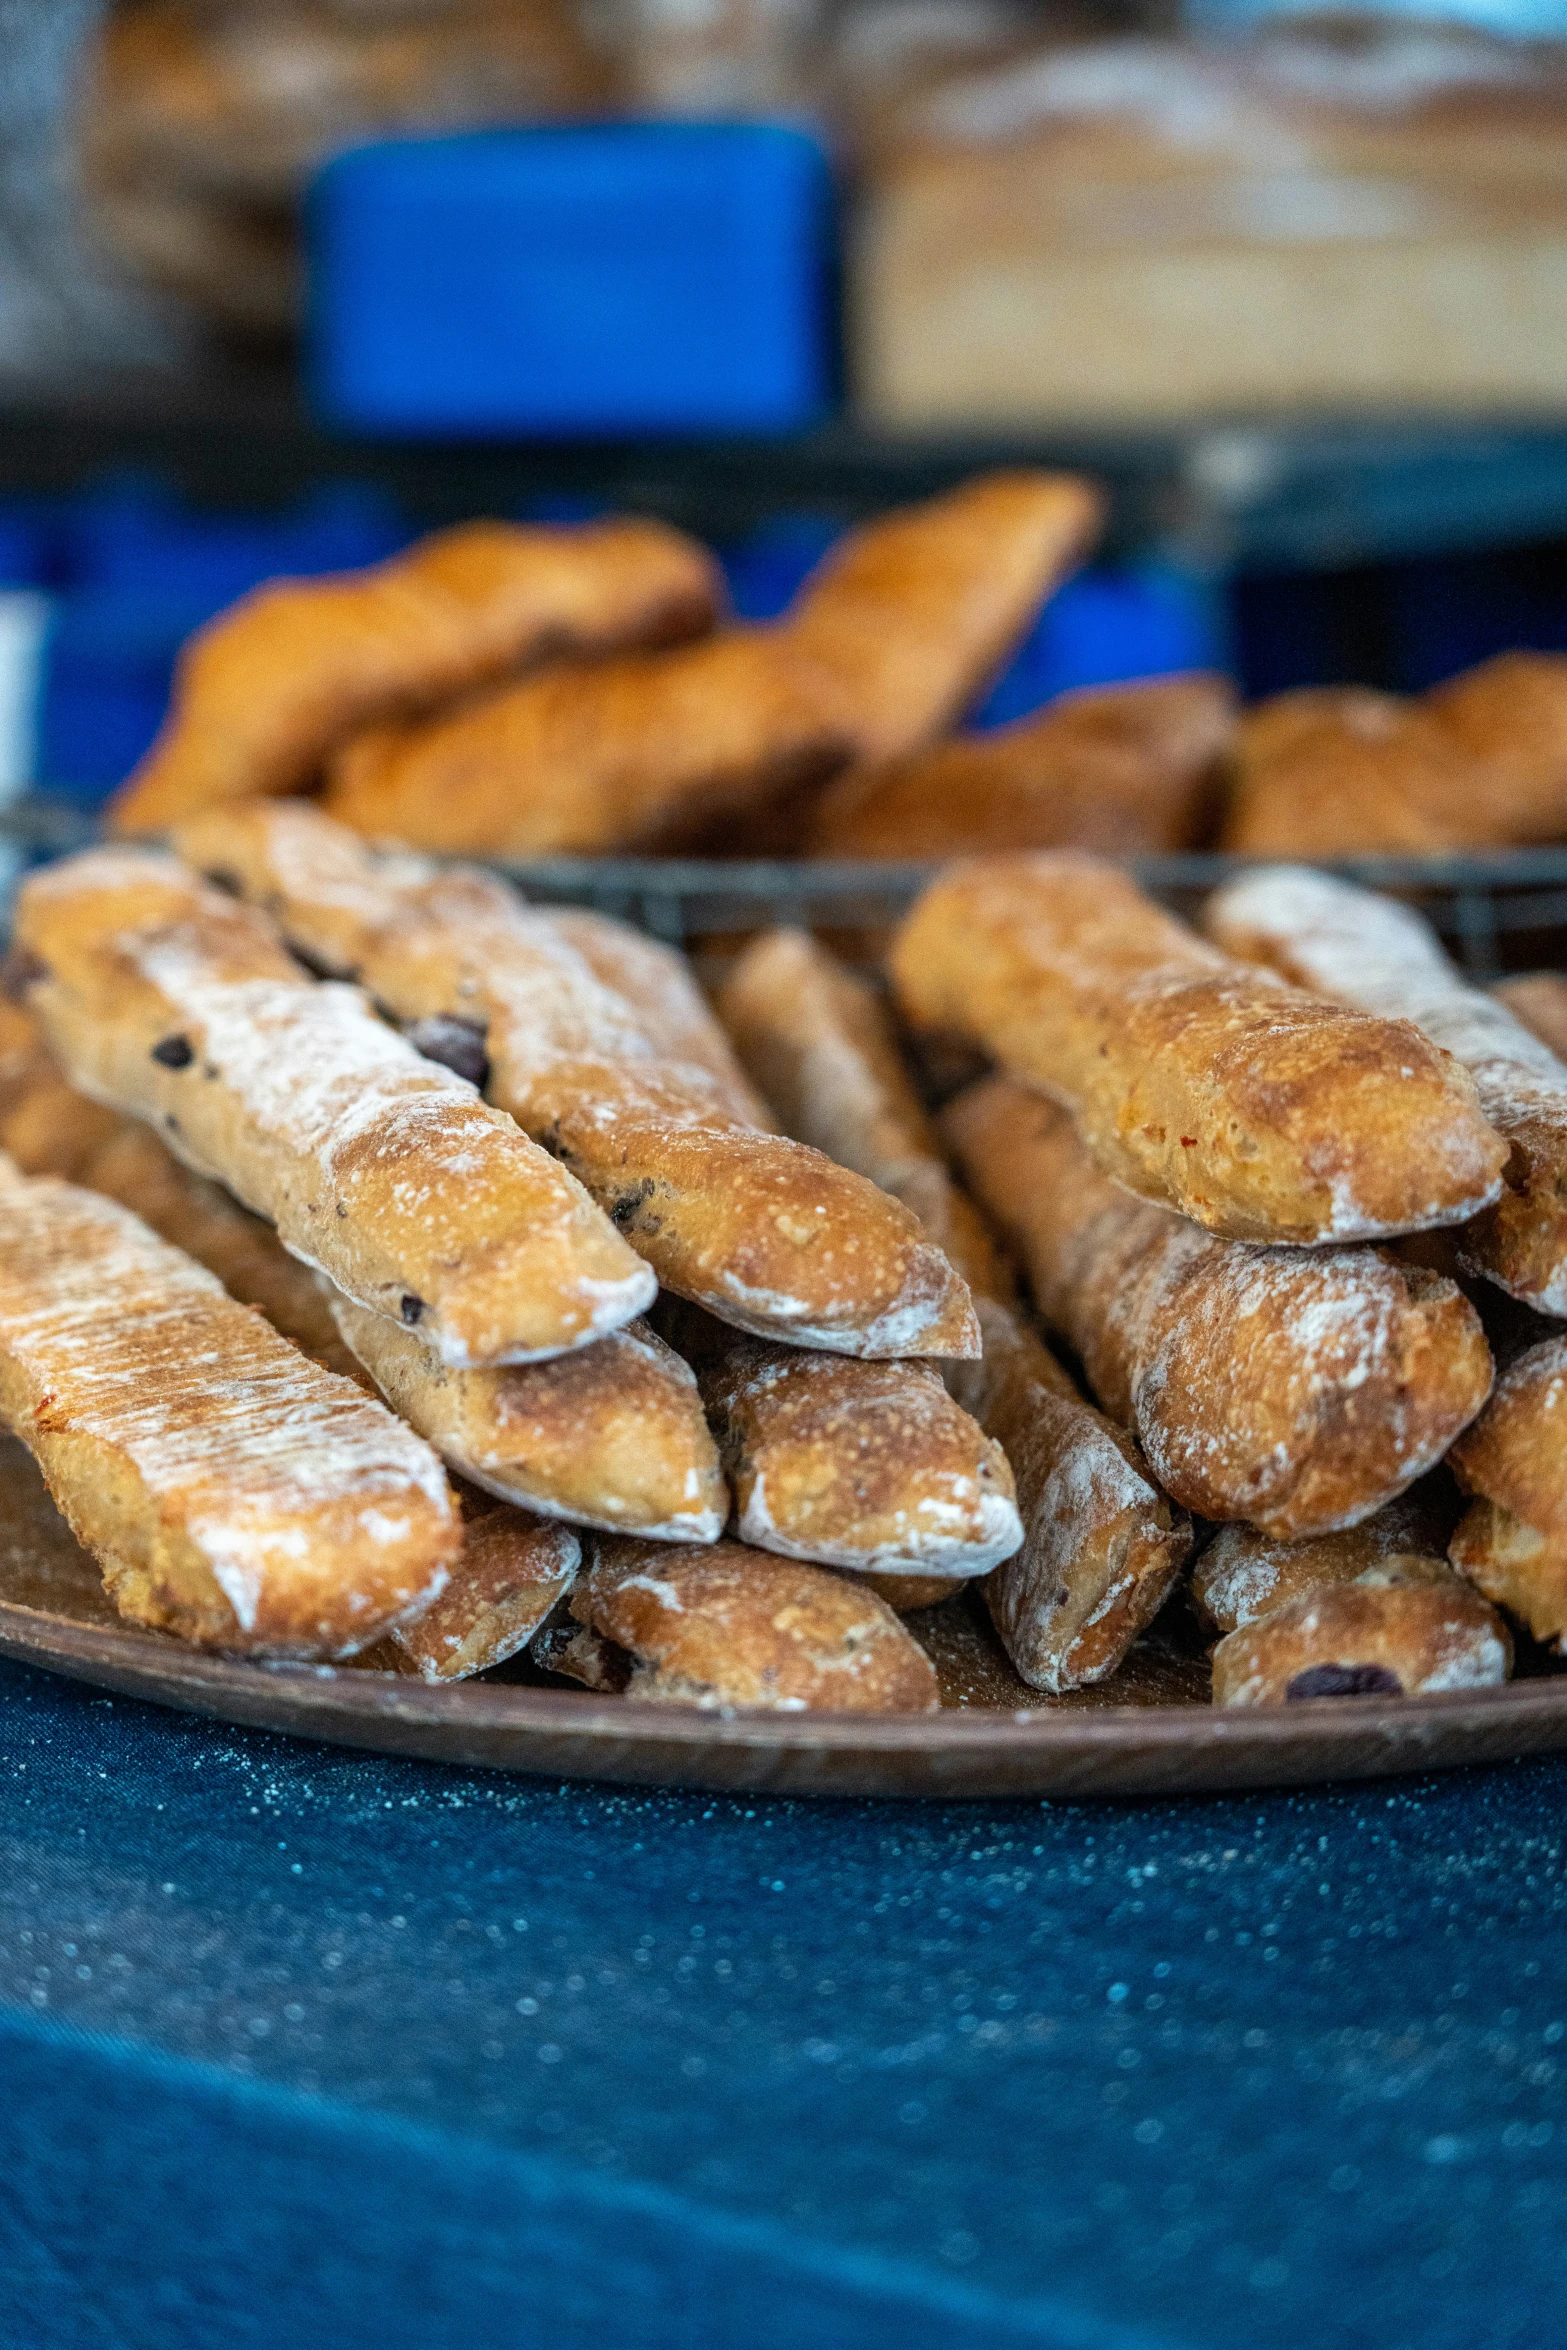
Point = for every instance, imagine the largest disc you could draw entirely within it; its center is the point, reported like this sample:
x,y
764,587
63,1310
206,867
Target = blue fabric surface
x,y
303,2035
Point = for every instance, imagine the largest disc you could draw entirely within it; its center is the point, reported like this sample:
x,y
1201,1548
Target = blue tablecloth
x,y
304,2046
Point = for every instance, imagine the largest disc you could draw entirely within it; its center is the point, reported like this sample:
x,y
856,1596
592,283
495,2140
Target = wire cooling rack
x,y
1505,911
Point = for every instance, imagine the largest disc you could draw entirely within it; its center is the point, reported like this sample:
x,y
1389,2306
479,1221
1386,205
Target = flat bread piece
x,y
1101,1546
613,1435
765,1232
1378,956
1199,1082
165,1000
1297,1389
1408,1628
1116,768
736,1627
263,691
232,1491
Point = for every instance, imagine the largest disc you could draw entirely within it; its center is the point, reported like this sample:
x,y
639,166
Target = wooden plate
x,y
1146,1732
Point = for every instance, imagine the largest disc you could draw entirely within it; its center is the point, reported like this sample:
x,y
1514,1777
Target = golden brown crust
x,y
1244,1574
910,615
1115,769
265,690
513,1570
1382,1638
1514,1458
636,752
763,1231
163,998
864,1465
1378,956
1299,1390
612,1435
1510,717
1539,1000
671,1009
1260,1112
1341,771
1101,1545
1520,1567
232,1491
737,1627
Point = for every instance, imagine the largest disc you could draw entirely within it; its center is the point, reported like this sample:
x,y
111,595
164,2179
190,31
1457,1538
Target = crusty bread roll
x,y
1509,716
1379,956
890,638
1512,1541
1116,768
1261,1112
514,1568
1101,1546
1297,1389
163,999
1539,1000
264,690
1243,1574
1339,771
863,1465
736,1627
233,1492
764,1232
612,1435
1408,1628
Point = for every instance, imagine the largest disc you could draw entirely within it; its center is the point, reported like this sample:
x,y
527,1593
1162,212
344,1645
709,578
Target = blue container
x,y
590,281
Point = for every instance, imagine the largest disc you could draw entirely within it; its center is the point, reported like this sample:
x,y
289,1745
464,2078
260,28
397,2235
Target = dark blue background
x,y
298,2045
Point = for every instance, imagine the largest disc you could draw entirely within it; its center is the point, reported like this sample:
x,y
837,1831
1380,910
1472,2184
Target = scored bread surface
x,y
1204,1084
233,1491
165,1000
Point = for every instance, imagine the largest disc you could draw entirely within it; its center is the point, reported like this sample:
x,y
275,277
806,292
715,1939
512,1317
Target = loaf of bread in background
x,y
1539,1000
1261,1112
263,692
1297,1389
1113,768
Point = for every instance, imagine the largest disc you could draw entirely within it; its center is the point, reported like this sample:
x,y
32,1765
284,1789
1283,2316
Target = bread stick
x,y
1101,1546
1509,716
764,1232
1512,1541
864,1465
514,1568
233,1492
1379,956
1298,1390
1409,1628
736,1627
165,1000
1341,771
1118,769
637,752
1203,1084
1539,1000
612,1435
911,615
1243,1574
262,692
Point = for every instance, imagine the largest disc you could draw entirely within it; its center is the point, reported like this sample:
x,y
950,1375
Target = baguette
x,y
863,1465
735,1627
263,692
1408,1628
163,999
610,1436
1117,769
1260,1112
1298,1390
766,1233
1243,1574
1509,716
1512,1540
232,1492
514,1569
1539,1000
1341,771
671,1010
1101,1547
1379,956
